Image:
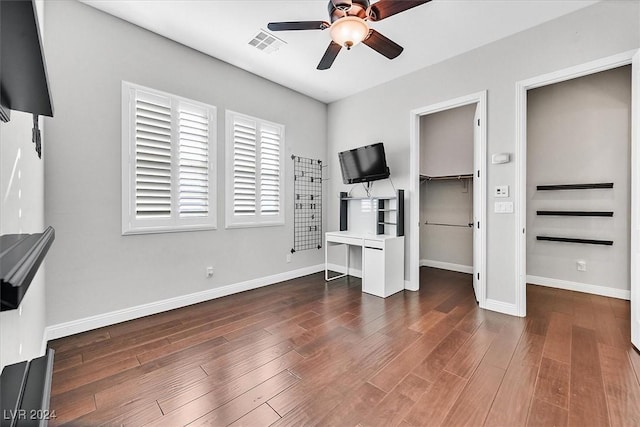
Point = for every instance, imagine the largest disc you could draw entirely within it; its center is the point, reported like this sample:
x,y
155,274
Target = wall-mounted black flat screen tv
x,y
364,164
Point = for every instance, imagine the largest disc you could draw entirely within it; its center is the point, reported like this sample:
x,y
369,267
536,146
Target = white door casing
x,y
479,185
635,200
477,201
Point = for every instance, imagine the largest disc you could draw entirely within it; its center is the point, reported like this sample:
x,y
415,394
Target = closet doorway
x,y
606,93
448,155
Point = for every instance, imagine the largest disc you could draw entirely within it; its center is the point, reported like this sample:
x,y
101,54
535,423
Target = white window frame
x,y
130,223
258,219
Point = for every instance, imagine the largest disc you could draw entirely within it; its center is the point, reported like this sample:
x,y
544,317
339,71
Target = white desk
x,y
382,260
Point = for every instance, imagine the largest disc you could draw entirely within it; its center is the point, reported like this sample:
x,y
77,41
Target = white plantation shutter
x,y
269,170
244,167
152,156
194,162
254,171
168,148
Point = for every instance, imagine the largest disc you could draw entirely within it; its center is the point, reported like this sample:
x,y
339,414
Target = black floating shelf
x,y
20,258
26,391
575,213
575,186
24,85
572,240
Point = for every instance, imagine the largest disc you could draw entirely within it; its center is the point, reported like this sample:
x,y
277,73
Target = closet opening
x,y
446,189
578,184
448,155
588,117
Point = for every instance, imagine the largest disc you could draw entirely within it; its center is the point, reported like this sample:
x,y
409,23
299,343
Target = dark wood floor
x,y
305,353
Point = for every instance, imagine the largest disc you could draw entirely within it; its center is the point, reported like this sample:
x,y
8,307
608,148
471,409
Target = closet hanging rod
x,y
445,177
469,225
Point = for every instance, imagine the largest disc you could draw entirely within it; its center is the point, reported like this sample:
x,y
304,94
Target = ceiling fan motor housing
x,y
340,8
342,4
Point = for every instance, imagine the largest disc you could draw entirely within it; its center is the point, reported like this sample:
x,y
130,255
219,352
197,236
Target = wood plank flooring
x,y
304,352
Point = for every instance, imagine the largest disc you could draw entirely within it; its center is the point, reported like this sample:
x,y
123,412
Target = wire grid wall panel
x,y
307,229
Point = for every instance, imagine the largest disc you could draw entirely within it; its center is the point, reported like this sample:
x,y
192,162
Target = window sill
x,y
161,230
255,224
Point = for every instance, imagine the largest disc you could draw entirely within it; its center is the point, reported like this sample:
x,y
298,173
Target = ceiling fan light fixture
x,y
349,31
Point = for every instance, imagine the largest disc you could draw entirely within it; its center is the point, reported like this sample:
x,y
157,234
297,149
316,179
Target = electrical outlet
x,y
209,272
501,191
581,265
288,257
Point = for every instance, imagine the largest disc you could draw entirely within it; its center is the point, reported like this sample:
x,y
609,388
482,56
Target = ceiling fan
x,y
349,26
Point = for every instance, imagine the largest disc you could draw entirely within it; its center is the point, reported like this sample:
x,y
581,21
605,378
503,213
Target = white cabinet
x,y
383,266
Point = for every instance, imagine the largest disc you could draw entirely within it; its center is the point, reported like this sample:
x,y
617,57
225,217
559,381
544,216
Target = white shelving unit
x,y
387,215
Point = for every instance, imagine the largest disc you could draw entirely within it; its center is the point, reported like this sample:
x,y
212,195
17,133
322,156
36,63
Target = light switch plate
x,y
503,207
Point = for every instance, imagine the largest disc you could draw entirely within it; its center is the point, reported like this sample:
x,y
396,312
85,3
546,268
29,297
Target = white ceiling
x,y
429,33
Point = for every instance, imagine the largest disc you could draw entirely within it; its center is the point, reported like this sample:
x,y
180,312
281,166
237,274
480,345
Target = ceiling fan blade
x,y
383,45
329,56
298,25
385,8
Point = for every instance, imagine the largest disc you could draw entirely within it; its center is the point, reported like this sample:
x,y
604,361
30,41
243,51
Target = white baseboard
x,y
341,269
604,291
93,322
407,286
447,266
500,307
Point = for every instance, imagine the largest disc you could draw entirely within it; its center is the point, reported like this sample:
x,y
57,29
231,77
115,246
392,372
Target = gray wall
x,y
579,131
92,269
603,29
446,142
22,211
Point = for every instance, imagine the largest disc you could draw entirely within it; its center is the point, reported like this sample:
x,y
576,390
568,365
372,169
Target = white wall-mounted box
x,y
500,158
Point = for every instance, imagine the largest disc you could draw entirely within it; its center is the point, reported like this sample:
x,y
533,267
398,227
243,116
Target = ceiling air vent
x,y
266,42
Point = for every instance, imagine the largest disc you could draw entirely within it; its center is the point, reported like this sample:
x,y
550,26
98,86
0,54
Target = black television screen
x,y
364,164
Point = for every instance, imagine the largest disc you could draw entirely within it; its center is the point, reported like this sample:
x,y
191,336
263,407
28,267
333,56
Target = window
x,y
168,158
255,172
